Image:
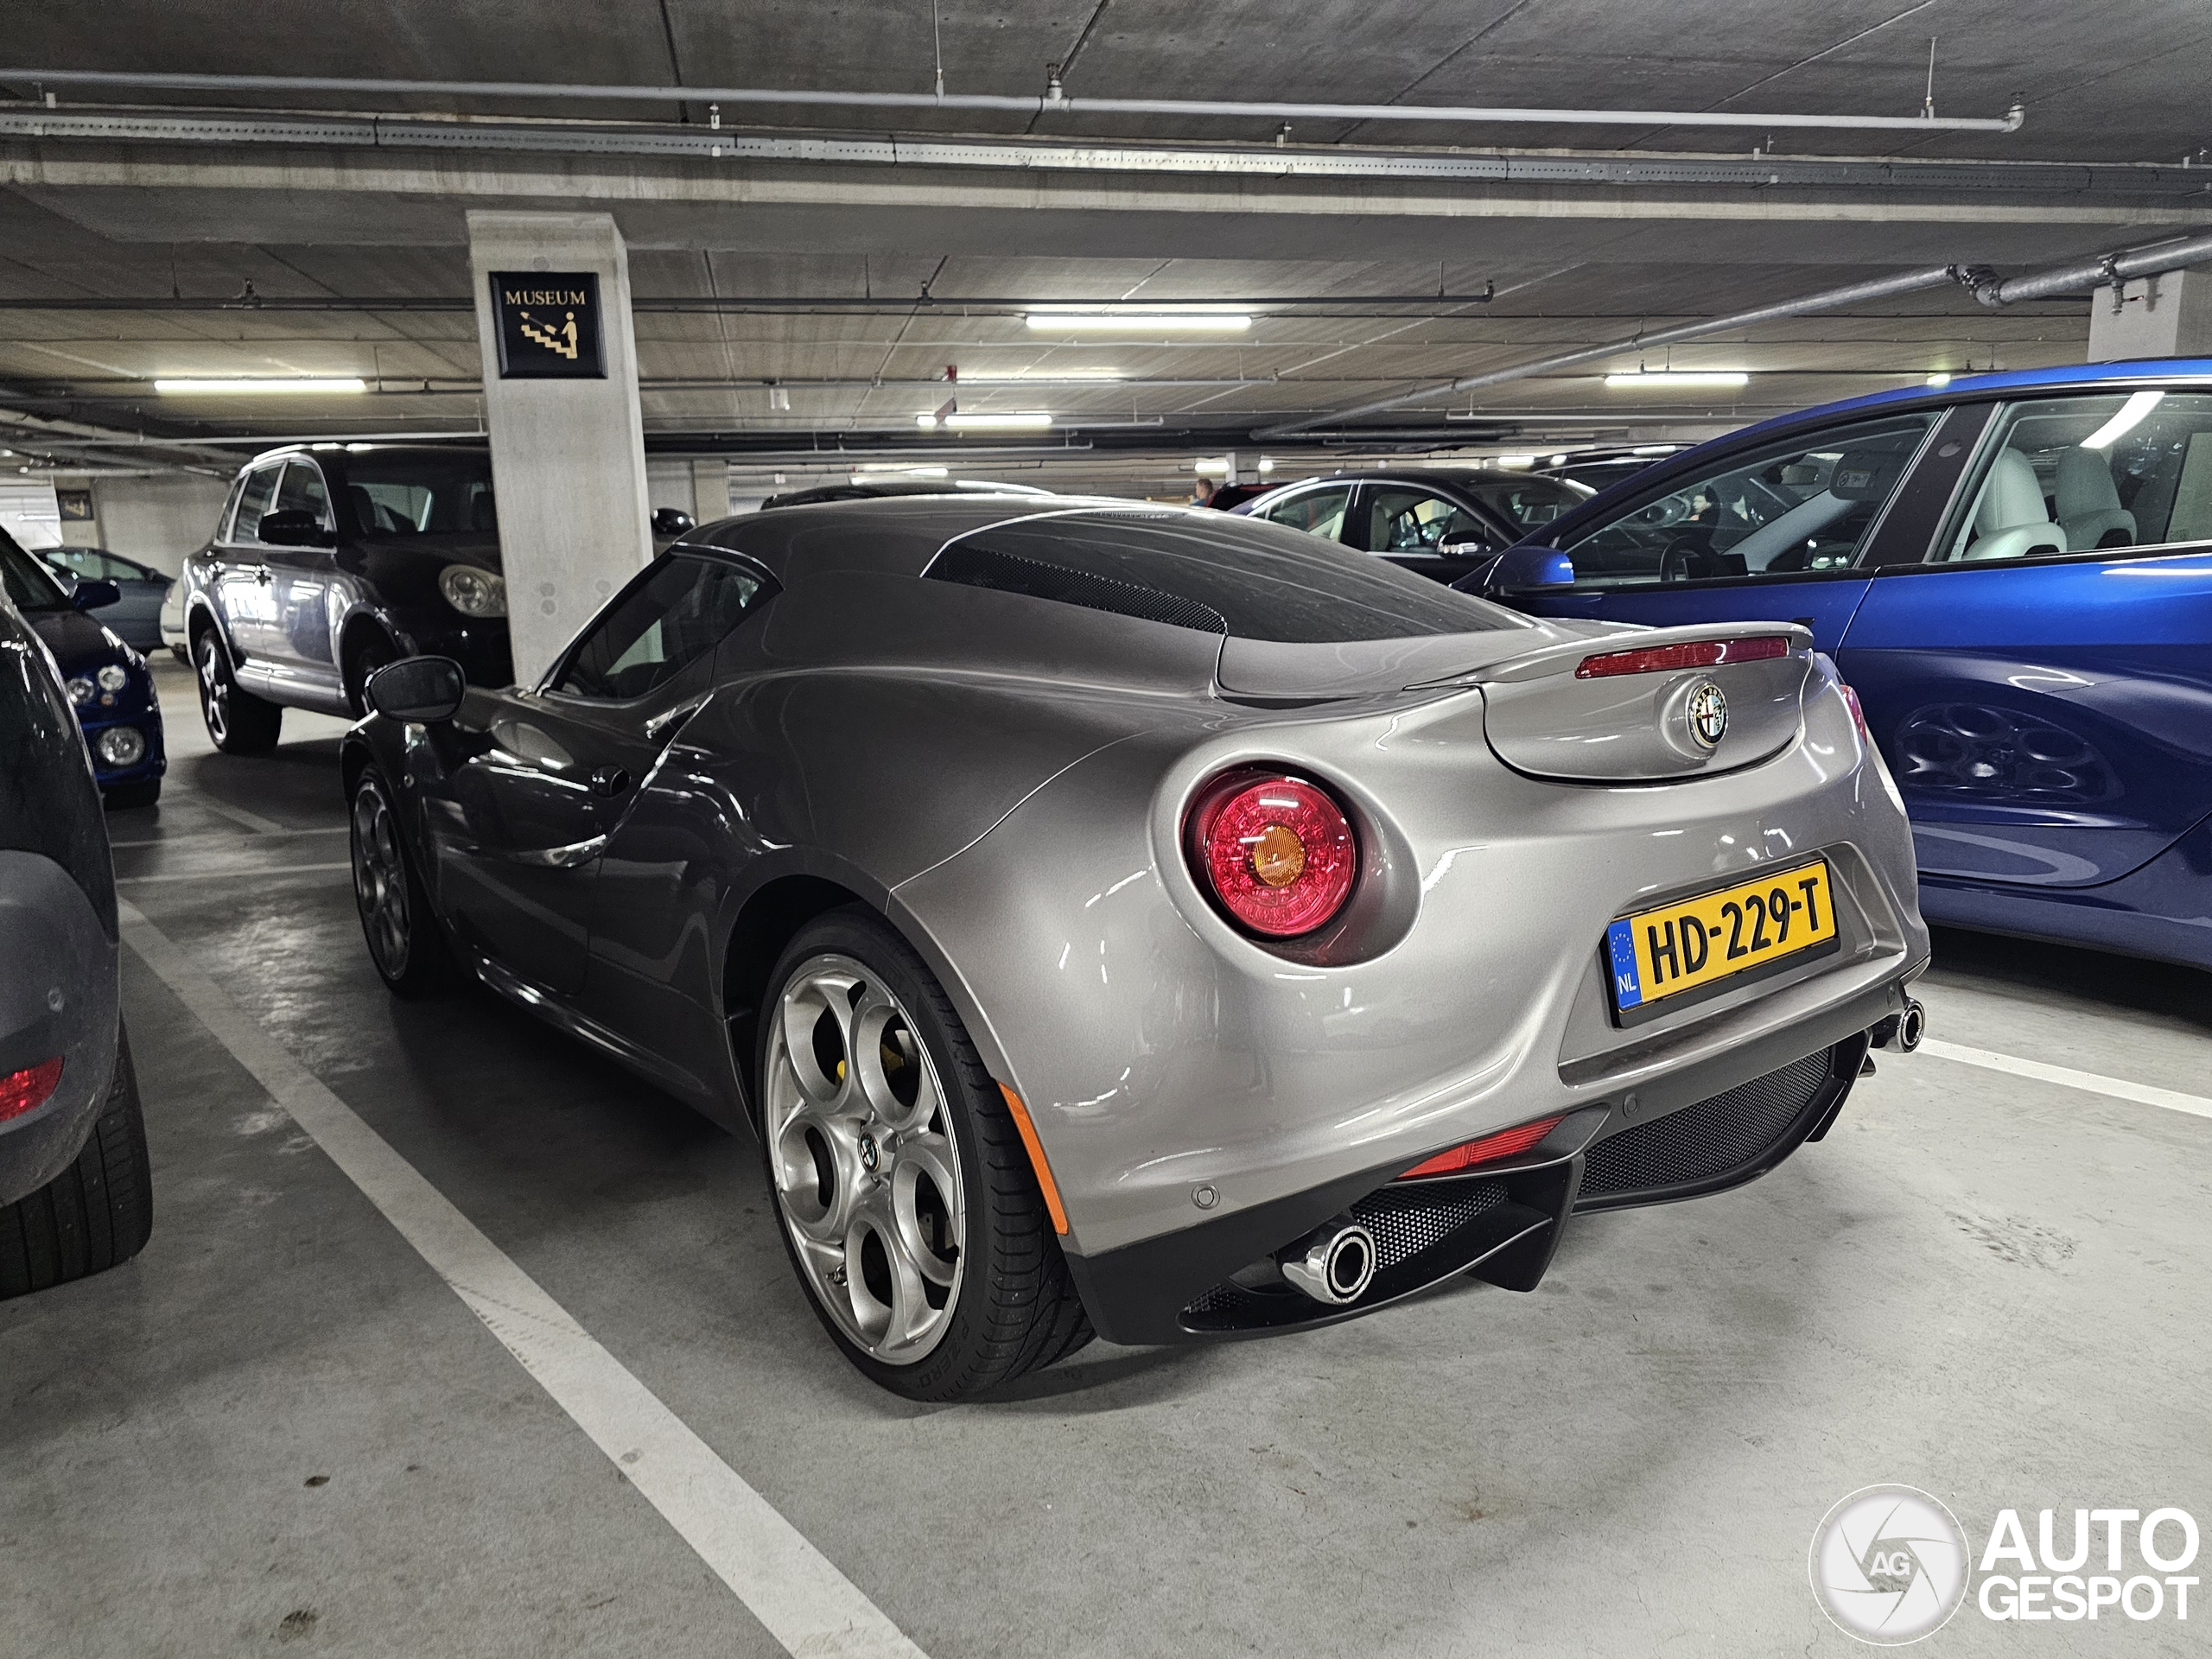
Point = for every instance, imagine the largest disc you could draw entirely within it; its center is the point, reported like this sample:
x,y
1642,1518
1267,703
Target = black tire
x,y
406,943
98,1213
369,649
1016,1307
238,722
123,797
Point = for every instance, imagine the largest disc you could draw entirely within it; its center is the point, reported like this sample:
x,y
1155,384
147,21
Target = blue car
x,y
108,683
2014,572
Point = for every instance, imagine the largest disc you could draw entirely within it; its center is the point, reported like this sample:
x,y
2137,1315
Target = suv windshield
x,y
29,584
421,491
1213,572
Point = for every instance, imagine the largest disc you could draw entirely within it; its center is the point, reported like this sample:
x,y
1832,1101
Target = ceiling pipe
x,y
2105,269
1051,102
1985,284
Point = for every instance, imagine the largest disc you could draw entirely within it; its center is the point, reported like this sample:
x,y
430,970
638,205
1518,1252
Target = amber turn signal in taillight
x,y
1276,852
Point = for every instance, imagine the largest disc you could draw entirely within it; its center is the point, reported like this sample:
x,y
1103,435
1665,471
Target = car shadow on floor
x,y
2167,989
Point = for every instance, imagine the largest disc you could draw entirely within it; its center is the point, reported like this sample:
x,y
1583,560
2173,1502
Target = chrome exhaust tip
x,y
1912,1025
1336,1263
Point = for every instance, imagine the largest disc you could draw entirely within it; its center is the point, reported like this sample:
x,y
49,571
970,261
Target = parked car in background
x,y
172,624
1438,521
106,682
1237,988
135,617
332,560
76,1194
870,489
1226,498
2014,574
1600,469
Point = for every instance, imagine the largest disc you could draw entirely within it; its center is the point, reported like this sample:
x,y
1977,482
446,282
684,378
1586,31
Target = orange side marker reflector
x,y
1044,1182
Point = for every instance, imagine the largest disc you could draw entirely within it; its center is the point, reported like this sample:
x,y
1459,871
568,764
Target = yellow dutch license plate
x,y
1696,943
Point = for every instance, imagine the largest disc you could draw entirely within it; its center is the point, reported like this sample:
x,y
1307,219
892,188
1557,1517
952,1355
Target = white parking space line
x,y
794,1590
203,837
237,815
2117,1088
218,875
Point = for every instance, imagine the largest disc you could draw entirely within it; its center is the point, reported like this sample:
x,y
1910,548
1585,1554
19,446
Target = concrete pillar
x,y
710,490
2169,315
568,454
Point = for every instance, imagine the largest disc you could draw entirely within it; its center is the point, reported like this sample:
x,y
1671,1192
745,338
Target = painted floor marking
x,y
794,1590
237,815
2117,1088
202,837
219,875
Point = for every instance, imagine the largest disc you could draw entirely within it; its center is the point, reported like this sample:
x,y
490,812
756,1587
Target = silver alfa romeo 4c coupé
x,y
1149,922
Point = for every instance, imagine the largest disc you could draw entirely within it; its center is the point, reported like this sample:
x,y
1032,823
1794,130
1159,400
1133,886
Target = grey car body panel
x,y
60,992
1005,778
59,995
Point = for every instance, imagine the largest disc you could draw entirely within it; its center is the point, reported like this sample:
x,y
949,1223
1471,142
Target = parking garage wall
x,y
158,519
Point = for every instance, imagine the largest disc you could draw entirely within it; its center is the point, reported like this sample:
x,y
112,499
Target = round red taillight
x,y
1279,853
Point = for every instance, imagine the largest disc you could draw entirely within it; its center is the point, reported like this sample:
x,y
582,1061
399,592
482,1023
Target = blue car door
x,y
2041,683
1790,530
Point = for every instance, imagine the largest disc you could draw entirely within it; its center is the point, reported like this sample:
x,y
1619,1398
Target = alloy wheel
x,y
380,881
214,688
865,1169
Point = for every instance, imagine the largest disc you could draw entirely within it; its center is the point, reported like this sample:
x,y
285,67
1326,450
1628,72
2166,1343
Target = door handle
x,y
609,780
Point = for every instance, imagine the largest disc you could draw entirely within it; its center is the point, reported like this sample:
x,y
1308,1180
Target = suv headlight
x,y
474,592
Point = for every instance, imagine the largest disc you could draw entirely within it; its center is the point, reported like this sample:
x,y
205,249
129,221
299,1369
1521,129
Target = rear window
x,y
1215,573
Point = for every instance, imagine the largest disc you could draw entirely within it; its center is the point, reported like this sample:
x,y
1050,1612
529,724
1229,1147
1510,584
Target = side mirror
x,y
93,593
293,527
422,691
1519,569
672,521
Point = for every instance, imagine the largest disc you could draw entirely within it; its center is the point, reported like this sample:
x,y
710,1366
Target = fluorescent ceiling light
x,y
1031,421
1512,461
892,469
1657,377
1043,375
1217,466
2130,416
1141,322
1654,449
261,388
1941,378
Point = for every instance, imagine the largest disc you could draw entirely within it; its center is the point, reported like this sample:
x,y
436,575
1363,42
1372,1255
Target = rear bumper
x,y
1701,1130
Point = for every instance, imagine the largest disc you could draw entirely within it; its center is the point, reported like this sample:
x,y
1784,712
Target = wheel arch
x,y
771,915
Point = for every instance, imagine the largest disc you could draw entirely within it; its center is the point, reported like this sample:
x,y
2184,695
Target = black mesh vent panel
x,y
1708,1138
976,565
1406,1220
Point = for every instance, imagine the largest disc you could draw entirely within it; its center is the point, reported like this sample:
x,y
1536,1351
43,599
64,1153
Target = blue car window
x,y
1804,505
2115,471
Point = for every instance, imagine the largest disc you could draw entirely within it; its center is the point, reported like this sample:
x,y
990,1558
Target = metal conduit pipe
x,y
2105,269
1052,100
1986,285
1881,287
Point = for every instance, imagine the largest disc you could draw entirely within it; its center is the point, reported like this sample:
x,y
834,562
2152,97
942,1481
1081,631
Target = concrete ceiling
x,y
782,247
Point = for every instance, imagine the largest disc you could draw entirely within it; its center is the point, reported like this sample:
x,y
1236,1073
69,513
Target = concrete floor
x,y
278,1426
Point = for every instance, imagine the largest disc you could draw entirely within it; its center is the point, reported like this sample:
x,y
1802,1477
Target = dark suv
x,y
75,1197
332,560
